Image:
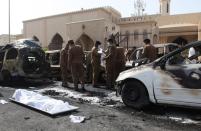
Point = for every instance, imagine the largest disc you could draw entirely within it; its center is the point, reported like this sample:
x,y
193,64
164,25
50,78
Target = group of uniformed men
x,y
72,59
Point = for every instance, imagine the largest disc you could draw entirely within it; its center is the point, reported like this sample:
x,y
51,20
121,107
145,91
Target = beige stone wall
x,y
35,28
140,27
99,23
45,28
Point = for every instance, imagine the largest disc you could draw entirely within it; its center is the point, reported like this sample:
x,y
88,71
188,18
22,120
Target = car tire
x,y
135,95
6,76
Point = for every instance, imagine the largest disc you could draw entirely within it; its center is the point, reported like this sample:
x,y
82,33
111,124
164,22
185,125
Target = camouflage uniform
x,y
110,65
96,64
64,65
75,60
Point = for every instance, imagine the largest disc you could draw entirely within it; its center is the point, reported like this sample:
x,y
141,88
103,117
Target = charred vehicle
x,y
53,57
172,79
136,58
22,59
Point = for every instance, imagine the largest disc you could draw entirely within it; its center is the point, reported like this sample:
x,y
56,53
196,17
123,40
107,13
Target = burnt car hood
x,y
131,73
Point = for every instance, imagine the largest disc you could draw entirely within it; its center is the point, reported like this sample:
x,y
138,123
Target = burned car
x,y
136,58
53,57
172,79
22,59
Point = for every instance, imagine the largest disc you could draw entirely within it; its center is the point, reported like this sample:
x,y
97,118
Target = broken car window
x,y
11,54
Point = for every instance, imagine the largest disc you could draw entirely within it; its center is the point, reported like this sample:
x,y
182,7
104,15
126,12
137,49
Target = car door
x,y
10,62
179,82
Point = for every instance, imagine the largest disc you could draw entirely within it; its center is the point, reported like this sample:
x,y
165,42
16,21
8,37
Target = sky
x,y
28,9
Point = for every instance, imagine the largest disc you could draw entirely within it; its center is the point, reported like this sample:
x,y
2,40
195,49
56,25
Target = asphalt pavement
x,y
103,112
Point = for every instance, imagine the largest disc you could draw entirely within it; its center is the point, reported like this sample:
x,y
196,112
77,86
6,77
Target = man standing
x,y
75,63
96,63
110,63
120,60
64,65
149,51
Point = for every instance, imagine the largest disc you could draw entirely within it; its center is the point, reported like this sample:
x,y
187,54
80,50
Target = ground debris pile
x,y
91,96
51,93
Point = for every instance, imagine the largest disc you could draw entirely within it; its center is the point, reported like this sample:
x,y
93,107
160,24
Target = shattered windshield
x,y
26,43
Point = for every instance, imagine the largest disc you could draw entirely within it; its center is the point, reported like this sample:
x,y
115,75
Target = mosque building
x,y
88,25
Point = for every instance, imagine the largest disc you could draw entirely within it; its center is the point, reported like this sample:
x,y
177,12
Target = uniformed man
x,y
110,63
75,63
120,60
96,63
149,51
64,65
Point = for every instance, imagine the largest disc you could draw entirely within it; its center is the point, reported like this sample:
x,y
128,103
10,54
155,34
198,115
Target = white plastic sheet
x,y
77,119
43,103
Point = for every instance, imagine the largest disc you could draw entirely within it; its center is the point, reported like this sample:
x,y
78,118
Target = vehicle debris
x,y
23,59
77,119
92,96
172,79
3,102
42,103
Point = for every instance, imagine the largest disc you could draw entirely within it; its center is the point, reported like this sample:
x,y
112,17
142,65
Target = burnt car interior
x,y
2,54
32,62
183,69
11,54
53,58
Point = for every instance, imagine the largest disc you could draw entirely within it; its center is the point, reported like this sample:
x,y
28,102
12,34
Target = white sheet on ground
x,y
43,103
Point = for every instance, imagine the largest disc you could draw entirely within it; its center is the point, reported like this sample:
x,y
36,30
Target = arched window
x,y
85,41
145,35
136,35
155,39
35,38
167,8
56,42
127,34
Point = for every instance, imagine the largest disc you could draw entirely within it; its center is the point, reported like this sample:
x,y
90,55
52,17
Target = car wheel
x,y
135,95
6,76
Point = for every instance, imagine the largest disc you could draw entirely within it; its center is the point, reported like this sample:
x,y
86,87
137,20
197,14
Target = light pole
x,y
9,21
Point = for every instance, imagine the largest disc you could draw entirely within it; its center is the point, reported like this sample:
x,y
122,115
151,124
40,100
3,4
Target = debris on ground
x,y
51,93
26,118
184,120
42,103
3,102
32,87
77,119
92,95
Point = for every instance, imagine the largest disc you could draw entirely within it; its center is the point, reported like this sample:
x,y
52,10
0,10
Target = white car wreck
x,y
172,79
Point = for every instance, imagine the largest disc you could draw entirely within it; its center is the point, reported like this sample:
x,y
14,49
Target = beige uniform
x,y
150,52
75,60
110,65
120,60
96,64
64,65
